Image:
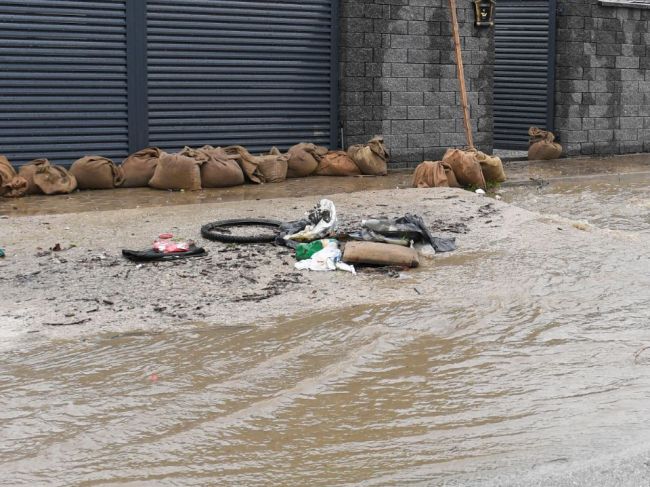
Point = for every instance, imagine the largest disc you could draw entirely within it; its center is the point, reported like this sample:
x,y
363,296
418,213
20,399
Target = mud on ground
x,y
88,286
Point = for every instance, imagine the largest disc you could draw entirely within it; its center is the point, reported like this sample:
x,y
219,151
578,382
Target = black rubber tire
x,y
211,231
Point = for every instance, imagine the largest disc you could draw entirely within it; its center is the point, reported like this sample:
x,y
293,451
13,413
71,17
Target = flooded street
x,y
528,367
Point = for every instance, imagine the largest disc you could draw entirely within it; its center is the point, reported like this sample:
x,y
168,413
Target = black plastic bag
x,y
410,227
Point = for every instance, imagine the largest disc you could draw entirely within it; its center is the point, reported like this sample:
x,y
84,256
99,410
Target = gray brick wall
x,y
398,77
603,78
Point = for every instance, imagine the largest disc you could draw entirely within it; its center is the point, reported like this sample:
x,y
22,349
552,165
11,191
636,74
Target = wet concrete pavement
x,y
617,169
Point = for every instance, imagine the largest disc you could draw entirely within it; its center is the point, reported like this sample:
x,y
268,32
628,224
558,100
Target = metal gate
x,y
114,76
524,72
247,72
63,79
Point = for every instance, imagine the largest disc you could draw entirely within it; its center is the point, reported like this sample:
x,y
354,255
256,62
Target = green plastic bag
x,y
304,251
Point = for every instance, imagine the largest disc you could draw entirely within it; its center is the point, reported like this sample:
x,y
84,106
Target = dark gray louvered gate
x,y
524,72
62,79
113,76
247,72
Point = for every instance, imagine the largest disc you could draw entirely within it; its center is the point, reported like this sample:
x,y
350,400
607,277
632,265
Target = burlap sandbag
x,y
220,170
139,167
372,158
274,166
451,177
15,188
337,163
492,168
176,171
269,168
466,167
7,173
200,156
542,145
29,170
303,160
54,180
430,174
247,162
97,172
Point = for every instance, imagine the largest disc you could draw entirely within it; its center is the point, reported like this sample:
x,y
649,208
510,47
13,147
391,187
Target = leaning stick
x,y
461,74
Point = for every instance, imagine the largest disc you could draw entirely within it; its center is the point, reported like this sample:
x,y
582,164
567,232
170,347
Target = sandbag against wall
x,y
430,174
269,168
220,170
247,162
337,163
176,172
15,188
273,166
542,145
97,172
7,173
451,176
54,180
466,167
139,167
492,168
372,158
303,159
29,170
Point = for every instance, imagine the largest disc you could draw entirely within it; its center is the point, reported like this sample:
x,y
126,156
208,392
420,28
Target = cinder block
x,y
407,98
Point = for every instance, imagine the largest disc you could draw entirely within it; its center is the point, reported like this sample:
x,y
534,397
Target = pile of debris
x,y
193,169
317,241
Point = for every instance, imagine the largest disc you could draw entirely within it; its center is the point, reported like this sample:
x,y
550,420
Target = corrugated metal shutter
x,y
247,72
62,79
524,72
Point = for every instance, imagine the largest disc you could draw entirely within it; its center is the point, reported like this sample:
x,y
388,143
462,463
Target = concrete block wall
x,y
603,78
398,77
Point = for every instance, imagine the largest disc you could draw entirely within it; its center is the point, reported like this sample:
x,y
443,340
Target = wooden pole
x,y
461,74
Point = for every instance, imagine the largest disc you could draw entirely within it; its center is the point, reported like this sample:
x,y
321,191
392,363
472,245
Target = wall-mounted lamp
x,y
484,12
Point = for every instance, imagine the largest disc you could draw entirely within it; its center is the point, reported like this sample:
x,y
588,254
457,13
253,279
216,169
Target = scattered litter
x,y
56,248
71,323
366,235
305,251
327,259
323,223
2,253
582,225
221,231
153,255
165,248
480,192
372,253
410,228
168,245
425,250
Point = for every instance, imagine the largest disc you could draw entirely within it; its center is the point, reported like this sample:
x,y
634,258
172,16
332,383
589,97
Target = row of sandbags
x,y
210,167
542,145
193,169
460,168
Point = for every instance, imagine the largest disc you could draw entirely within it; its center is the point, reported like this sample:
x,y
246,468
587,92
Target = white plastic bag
x,y
328,259
324,225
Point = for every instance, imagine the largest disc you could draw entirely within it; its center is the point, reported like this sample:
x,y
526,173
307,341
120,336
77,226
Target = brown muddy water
x,y
521,384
